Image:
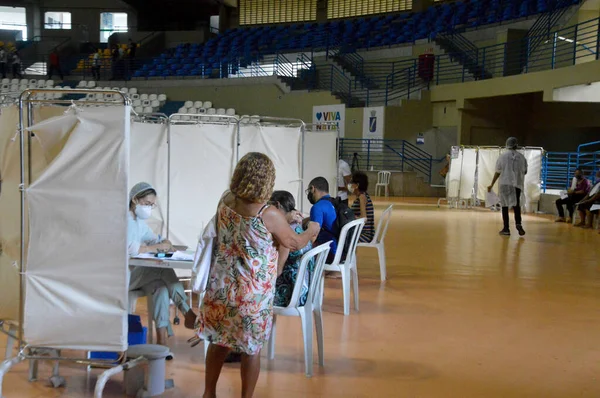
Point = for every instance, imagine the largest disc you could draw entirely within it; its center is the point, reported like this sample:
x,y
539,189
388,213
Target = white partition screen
x,y
486,168
532,184
148,163
469,168
454,174
283,145
76,294
320,150
202,161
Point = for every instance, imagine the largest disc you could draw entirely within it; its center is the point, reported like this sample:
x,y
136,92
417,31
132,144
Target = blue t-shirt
x,y
324,213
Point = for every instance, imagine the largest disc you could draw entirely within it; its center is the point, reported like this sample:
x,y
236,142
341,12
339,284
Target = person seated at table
x,y
289,261
161,283
584,207
579,189
363,206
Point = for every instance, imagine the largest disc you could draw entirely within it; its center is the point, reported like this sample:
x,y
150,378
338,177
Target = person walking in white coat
x,y
511,168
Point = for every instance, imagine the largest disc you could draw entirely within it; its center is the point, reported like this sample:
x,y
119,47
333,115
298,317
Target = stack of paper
x,y
187,255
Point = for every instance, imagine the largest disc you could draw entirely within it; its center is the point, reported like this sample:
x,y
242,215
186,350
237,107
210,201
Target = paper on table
x,y
564,194
145,255
491,199
183,256
595,207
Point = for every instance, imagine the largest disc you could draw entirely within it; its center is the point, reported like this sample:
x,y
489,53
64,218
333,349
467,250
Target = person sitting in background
x,y
584,207
363,206
323,213
289,261
161,283
343,179
578,191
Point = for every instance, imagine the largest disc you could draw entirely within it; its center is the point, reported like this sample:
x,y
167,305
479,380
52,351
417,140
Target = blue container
x,y
137,334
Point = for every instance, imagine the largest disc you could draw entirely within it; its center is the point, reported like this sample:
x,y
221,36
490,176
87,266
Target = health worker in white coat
x,y
161,283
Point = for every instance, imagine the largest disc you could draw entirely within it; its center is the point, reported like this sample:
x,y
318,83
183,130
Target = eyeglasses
x,y
308,190
152,205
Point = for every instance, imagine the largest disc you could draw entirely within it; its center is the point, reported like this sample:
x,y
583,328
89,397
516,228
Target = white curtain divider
x,y
77,274
454,177
469,168
148,163
320,149
283,145
486,168
202,161
532,188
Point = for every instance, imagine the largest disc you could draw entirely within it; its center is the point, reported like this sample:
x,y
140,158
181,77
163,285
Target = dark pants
x,y
517,210
3,69
55,69
96,72
16,71
570,202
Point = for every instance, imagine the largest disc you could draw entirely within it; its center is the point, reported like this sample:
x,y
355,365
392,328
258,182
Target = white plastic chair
x,y
192,111
124,90
153,97
41,83
211,111
162,97
6,81
115,88
133,90
143,97
155,104
311,308
182,110
14,81
347,266
24,82
220,111
207,105
137,103
147,109
378,240
145,102
49,83
197,104
135,97
82,84
383,181
188,104
138,109
230,112
201,110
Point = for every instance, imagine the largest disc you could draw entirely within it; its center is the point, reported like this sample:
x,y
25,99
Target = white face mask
x,y
350,188
143,212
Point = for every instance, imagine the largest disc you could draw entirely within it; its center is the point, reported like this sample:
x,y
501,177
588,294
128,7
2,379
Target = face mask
x,y
311,198
143,212
350,188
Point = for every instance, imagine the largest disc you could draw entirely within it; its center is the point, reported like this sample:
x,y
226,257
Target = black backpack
x,y
343,213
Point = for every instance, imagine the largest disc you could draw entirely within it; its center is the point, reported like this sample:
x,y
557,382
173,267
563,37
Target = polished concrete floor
x,y
464,313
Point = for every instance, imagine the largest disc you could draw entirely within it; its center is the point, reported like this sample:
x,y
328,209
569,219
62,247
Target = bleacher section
x,y
239,48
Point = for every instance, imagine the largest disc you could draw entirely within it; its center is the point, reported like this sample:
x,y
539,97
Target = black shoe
x,y
521,230
505,232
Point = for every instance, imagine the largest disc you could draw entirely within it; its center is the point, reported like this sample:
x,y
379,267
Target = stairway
x,y
462,50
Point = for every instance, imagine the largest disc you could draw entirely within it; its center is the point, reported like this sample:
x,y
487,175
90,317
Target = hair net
x,y
512,143
139,188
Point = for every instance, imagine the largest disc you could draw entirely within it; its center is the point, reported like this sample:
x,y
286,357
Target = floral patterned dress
x,y
237,309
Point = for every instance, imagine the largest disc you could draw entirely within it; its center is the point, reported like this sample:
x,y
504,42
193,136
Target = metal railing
x,y
392,155
558,168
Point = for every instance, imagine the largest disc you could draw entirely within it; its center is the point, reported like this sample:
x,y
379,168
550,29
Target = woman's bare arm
x,y
363,205
284,253
287,237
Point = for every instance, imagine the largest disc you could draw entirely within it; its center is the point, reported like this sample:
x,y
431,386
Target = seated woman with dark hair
x,y
363,206
289,261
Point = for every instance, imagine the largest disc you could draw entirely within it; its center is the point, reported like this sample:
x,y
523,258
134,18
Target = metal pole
x,y
168,176
302,140
575,47
22,256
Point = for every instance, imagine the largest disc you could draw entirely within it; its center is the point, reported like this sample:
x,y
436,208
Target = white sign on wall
x,y
330,117
373,125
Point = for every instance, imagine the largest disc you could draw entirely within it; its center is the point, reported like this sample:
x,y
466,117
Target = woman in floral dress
x,y
237,309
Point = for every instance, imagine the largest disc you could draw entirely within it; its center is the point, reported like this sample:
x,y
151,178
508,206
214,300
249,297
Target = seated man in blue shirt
x,y
323,212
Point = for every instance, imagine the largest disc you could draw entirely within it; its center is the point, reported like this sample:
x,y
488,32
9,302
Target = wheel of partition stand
x,y
58,381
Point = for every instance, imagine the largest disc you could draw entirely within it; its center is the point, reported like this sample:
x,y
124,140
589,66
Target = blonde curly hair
x,y
253,178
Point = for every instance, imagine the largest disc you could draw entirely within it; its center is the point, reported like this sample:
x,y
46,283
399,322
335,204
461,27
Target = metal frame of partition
x,y
27,101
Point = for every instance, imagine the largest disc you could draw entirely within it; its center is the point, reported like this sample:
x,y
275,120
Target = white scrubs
x,y
512,167
161,283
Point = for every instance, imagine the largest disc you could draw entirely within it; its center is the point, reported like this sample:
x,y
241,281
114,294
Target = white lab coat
x,y
512,167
